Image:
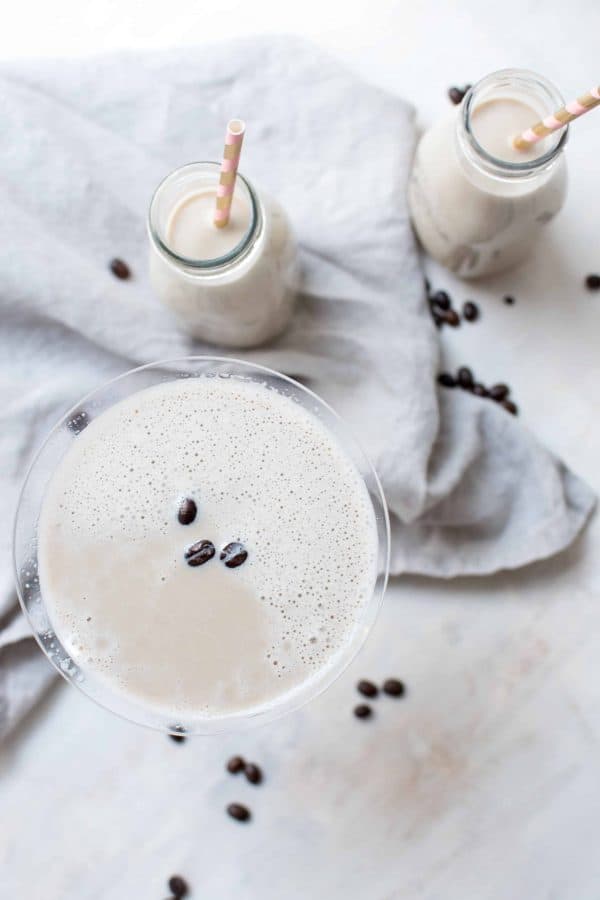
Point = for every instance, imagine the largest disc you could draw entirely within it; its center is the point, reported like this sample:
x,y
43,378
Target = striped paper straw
x,y
234,137
557,120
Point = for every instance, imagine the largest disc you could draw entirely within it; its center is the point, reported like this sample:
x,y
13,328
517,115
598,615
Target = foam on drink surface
x,y
210,640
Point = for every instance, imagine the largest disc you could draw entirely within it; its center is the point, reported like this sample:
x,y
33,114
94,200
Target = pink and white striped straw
x,y
557,120
234,137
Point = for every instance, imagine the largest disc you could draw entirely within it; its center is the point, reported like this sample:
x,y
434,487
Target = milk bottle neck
x,y
489,171
199,177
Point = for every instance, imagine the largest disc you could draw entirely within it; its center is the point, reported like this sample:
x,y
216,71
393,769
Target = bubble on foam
x,y
263,471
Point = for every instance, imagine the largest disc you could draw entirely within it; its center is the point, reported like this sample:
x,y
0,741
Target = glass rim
x,y
217,262
505,167
307,690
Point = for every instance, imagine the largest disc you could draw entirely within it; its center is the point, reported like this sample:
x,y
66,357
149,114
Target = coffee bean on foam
x,y
187,511
200,553
233,555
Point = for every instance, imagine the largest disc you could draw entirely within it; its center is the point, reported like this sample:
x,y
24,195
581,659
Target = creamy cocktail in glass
x,y
210,549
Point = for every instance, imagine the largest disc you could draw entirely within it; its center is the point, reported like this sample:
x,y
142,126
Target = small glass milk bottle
x,y
232,286
478,204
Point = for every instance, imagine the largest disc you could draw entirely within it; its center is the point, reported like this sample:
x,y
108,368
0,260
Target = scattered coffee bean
x,y
253,773
510,301
441,299
442,311
499,392
465,380
178,887
470,311
234,554
187,511
457,94
177,734
78,421
592,282
452,318
464,376
393,687
119,268
362,711
446,380
235,764
367,688
239,812
199,553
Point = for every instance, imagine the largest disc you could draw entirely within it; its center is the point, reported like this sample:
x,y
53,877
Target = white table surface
x,y
484,783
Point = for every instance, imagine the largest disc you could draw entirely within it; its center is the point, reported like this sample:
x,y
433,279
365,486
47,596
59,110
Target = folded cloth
x,y
83,145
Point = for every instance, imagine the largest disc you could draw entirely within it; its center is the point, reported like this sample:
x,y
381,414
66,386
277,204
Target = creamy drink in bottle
x,y
206,548
477,203
228,274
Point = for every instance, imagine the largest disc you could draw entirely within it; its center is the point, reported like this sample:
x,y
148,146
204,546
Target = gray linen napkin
x,y
82,146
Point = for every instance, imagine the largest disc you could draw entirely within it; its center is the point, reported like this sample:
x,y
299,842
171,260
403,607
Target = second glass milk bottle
x,y
477,212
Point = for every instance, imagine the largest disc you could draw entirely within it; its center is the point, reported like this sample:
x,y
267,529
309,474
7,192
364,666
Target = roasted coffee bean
x,y
120,269
199,553
78,421
446,380
393,687
362,711
239,812
499,392
470,311
452,318
457,94
367,688
441,299
510,407
510,301
479,390
235,764
178,887
592,282
187,511
177,734
464,376
253,773
234,554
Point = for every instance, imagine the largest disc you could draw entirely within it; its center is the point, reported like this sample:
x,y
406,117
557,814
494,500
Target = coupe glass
x,y
28,512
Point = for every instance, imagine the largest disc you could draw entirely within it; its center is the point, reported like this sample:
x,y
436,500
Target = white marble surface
x,y
484,783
